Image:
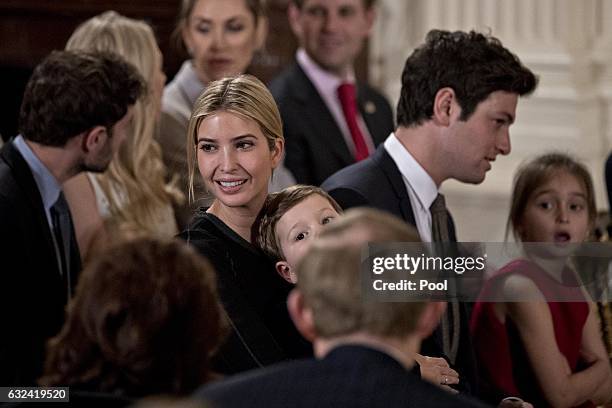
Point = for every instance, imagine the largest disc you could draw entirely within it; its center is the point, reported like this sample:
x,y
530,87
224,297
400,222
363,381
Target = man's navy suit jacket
x,y
314,145
377,182
348,376
33,293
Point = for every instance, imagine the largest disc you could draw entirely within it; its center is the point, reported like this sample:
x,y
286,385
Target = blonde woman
x,y
221,38
235,137
131,198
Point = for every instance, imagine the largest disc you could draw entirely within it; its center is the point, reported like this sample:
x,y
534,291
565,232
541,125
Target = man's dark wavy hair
x,y
471,63
72,92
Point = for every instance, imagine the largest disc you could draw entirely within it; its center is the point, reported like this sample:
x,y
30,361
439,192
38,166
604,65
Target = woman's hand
x,y
437,371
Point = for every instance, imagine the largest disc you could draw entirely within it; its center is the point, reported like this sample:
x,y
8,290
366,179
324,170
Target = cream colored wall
x,y
567,43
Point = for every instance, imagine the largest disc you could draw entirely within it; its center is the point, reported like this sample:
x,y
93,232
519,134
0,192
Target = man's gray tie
x,y
62,226
450,321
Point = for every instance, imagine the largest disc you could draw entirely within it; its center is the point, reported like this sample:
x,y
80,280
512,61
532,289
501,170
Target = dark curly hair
x,y
145,320
71,92
473,64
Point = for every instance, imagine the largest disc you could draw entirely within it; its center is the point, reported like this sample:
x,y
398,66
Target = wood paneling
x,y
30,29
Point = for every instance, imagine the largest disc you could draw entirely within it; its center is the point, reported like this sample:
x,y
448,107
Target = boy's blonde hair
x,y
329,278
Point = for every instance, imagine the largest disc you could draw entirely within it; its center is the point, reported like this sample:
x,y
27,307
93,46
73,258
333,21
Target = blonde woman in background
x,y
132,197
221,38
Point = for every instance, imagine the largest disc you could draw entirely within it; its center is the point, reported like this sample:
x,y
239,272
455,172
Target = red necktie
x,y
346,93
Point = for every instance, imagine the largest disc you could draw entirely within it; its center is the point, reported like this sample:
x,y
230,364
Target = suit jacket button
x,y
369,107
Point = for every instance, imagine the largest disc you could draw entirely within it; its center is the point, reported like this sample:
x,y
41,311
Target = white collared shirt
x,y
327,85
421,188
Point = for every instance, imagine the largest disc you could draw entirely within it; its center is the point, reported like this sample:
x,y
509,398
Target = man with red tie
x,y
330,121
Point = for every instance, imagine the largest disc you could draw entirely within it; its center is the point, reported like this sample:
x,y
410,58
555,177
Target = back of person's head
x,y
242,95
329,278
539,171
276,205
145,320
473,64
72,92
138,168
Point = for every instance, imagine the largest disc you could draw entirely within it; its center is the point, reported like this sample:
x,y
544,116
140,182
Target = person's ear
x,y
286,272
301,315
262,33
294,15
445,106
94,138
429,318
277,152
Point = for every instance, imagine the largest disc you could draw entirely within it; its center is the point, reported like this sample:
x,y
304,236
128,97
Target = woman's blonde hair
x,y
135,179
243,95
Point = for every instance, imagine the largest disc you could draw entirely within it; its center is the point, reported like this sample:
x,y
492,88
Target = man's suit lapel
x,y
388,166
394,177
319,117
23,175
371,115
25,179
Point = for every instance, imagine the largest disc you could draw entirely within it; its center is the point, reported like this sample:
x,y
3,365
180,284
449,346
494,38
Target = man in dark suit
x,y
458,100
75,113
329,120
364,349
